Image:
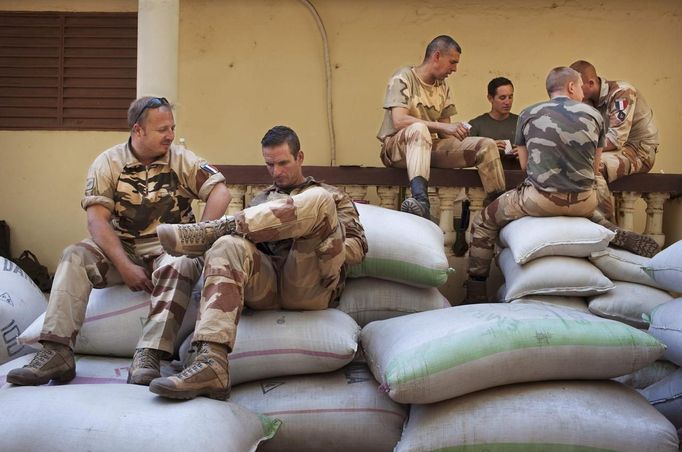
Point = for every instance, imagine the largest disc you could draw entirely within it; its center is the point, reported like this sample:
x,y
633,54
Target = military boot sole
x,y
411,205
639,244
170,392
142,378
29,379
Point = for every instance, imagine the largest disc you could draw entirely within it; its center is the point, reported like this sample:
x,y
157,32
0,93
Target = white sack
x,y
551,275
402,247
621,265
340,411
666,326
103,418
113,322
546,416
575,303
21,301
666,267
627,302
666,397
278,343
646,376
436,355
370,299
533,237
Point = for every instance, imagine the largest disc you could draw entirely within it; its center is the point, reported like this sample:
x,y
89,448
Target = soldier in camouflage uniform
x,y
287,250
417,134
632,136
559,142
131,189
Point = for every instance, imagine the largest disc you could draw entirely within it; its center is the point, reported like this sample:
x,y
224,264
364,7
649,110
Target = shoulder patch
x,y
89,186
209,169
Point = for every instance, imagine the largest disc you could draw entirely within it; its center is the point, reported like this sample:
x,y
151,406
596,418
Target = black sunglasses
x,y
154,102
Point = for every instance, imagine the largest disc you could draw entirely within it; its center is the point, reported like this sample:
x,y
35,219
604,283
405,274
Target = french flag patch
x,y
621,104
209,169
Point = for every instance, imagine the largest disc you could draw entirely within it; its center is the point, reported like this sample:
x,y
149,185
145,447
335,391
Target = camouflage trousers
x,y
414,148
84,266
306,275
523,201
627,160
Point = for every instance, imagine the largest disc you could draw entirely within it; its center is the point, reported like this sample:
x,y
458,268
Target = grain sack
x,y
627,302
551,275
666,267
370,299
546,416
621,265
402,247
436,355
646,376
124,417
113,322
21,302
278,343
666,397
340,411
575,303
531,237
666,325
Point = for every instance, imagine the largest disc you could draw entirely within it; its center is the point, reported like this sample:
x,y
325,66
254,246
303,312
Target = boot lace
x,y
41,358
146,358
194,234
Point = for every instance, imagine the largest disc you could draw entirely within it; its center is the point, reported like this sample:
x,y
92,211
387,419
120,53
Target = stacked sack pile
x,y
297,370
530,375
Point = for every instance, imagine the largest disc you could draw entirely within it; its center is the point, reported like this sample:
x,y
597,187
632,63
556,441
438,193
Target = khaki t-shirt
x,y
426,102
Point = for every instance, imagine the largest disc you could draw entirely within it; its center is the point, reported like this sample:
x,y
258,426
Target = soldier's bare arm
x,y
402,118
99,225
217,202
522,152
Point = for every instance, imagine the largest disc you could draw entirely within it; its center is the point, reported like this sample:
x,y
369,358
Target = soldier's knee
x,y
81,250
418,132
318,198
488,151
227,245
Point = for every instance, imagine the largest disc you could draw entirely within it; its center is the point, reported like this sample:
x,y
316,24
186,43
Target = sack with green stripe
x,y
437,355
558,416
402,247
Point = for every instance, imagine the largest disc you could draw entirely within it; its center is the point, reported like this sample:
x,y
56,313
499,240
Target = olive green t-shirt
x,y
485,126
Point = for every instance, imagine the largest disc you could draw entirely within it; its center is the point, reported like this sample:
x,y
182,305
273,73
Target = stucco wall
x,y
245,65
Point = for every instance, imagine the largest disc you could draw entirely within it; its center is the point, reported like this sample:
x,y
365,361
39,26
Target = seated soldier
x,y
499,123
417,134
288,250
559,144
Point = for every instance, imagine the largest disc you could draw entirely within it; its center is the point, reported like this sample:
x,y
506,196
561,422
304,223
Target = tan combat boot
x,y
635,243
53,362
146,366
208,375
476,292
193,239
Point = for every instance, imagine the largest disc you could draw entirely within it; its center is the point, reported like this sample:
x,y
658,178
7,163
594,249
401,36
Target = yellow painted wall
x,y
246,65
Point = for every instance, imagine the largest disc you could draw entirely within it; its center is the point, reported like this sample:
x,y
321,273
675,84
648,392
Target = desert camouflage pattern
x,y
427,102
415,148
142,197
525,200
84,266
562,137
631,128
289,253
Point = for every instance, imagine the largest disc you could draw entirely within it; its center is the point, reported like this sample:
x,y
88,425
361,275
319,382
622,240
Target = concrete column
x,y
158,24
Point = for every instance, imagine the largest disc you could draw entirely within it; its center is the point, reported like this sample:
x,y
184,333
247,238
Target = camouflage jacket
x,y
355,242
141,197
627,114
562,137
427,102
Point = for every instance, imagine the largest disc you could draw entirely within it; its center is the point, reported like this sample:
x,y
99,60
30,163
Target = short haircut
x,y
279,135
139,108
442,43
586,69
559,77
496,83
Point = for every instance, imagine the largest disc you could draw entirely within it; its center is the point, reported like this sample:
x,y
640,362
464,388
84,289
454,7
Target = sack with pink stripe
x,y
113,322
278,343
338,411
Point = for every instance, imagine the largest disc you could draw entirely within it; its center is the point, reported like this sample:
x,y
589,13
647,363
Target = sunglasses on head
x,y
154,102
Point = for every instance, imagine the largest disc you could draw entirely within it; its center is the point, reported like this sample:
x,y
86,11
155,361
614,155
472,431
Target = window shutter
x,y
73,71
